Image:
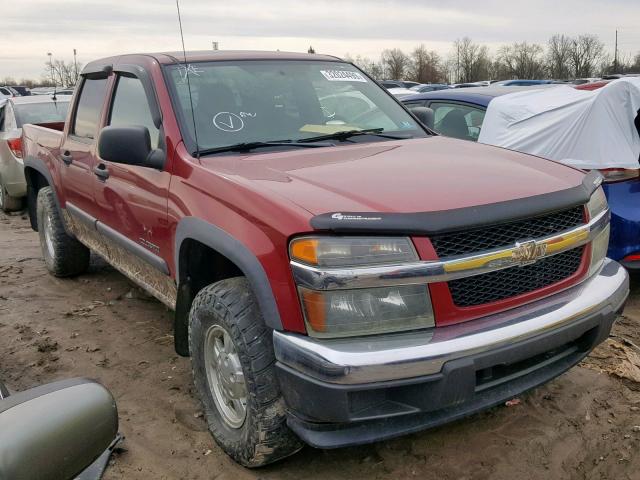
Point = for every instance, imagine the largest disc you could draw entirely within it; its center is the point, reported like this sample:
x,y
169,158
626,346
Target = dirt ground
x,y
585,424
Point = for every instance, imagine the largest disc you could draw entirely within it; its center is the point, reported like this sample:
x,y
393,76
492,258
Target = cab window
x,y
131,108
457,120
85,124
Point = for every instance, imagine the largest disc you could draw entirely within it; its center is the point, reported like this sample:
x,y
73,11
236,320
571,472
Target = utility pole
x,y
615,56
75,65
53,79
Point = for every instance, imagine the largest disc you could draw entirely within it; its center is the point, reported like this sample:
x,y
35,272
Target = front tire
x,y
234,373
63,255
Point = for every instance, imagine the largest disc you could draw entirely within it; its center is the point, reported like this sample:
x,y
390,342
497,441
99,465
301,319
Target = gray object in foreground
x,y
56,431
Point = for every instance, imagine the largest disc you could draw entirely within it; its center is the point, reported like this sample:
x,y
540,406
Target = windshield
x,y
46,112
263,101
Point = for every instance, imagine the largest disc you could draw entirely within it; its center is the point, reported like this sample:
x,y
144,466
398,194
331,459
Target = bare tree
x,y
635,66
426,66
61,73
396,63
470,61
522,60
558,56
624,64
372,68
586,53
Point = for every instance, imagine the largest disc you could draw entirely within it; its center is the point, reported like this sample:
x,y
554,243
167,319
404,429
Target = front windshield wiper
x,y
346,134
247,146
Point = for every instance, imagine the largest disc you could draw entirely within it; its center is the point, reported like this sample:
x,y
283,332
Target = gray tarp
x,y
584,129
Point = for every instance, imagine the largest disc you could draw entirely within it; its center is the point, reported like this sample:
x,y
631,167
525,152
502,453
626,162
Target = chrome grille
x,y
502,235
513,281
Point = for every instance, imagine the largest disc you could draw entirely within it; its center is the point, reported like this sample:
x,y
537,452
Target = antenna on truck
x,y
186,73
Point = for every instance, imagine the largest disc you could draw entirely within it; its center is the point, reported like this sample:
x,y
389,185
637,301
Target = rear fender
x,y
36,165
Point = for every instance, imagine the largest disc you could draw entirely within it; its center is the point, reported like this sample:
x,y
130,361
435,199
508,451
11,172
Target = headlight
x,y
351,251
363,311
341,313
599,245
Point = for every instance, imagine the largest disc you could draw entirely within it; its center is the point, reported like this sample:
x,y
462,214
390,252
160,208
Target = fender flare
x,y
227,245
39,166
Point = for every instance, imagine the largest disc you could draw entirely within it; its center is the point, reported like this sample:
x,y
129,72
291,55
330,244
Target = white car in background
x,y
15,112
8,92
400,92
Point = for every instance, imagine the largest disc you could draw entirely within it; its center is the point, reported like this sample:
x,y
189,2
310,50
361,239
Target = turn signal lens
x,y
367,311
351,251
305,250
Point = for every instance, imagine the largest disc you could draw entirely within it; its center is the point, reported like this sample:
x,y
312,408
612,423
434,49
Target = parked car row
x,y
339,273
7,91
394,86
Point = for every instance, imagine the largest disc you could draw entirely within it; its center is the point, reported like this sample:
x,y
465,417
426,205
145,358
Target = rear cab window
x,y
46,112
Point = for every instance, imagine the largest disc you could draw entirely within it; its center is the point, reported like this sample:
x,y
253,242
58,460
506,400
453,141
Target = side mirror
x,y
129,145
56,431
425,115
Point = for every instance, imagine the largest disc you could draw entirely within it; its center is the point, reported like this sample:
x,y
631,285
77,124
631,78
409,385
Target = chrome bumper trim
x,y
449,268
413,354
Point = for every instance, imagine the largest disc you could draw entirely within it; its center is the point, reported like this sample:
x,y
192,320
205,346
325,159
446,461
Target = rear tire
x,y
63,255
234,367
7,202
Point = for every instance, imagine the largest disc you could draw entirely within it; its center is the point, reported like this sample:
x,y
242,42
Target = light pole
x,y
53,79
75,66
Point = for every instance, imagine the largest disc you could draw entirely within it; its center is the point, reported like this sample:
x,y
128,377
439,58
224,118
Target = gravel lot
x,y
585,424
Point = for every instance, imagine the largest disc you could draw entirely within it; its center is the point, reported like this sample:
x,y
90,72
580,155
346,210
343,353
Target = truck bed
x,y
37,136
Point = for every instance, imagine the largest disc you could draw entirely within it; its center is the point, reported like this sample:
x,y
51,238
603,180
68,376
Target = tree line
x,y
562,58
56,73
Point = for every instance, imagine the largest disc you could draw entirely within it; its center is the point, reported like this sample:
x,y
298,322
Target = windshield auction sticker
x,y
343,76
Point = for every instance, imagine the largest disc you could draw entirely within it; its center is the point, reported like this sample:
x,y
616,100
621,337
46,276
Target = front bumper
x,y
357,390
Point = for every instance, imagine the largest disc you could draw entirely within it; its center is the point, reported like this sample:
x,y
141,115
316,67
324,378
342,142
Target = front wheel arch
x,y
231,257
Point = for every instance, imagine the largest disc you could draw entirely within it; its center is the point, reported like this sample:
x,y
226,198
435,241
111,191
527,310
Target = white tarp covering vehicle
x,y
584,129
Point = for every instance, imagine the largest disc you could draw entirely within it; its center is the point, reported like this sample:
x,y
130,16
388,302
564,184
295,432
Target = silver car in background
x,y
15,112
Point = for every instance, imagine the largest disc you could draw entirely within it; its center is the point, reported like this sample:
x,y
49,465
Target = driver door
x,y
131,201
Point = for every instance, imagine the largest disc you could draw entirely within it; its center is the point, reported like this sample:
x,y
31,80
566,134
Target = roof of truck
x,y
167,58
223,55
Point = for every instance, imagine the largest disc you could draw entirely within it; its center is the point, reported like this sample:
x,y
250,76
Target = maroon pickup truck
x,y
339,273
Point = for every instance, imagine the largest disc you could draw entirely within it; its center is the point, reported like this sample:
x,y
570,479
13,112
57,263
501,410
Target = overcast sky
x,y
98,28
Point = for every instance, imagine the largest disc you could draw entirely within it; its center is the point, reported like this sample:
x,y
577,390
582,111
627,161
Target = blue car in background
x,y
526,83
459,113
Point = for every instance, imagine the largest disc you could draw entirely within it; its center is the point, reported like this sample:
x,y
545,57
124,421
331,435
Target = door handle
x,y
66,157
101,171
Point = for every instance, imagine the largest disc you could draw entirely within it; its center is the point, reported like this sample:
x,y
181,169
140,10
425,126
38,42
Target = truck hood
x,y
420,175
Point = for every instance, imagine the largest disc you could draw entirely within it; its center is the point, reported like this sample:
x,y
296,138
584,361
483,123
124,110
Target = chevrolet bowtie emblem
x,y
526,253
